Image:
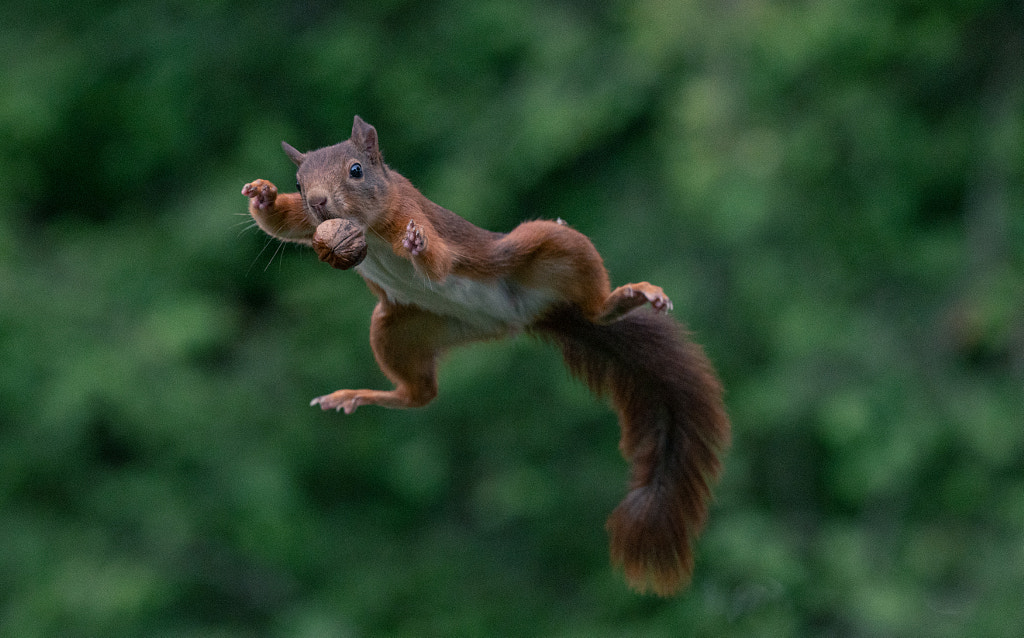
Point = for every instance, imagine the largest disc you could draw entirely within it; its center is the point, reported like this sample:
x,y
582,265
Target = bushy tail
x,y
674,426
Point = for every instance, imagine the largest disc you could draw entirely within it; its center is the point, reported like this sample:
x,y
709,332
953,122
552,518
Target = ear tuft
x,y
364,136
296,157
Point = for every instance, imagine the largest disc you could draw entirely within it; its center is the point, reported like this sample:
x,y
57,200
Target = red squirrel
x,y
442,282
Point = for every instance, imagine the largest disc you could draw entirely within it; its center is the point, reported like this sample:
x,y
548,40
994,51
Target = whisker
x,y
245,227
260,254
279,249
376,233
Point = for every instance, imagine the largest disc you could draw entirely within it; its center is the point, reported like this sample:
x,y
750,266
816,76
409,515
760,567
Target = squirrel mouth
x,y
318,213
321,214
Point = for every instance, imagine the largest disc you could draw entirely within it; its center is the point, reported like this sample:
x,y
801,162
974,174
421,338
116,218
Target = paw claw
x,y
646,293
337,402
414,241
261,193
660,303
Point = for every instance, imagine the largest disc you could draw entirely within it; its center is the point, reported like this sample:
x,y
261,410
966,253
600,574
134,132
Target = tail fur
x,y
674,426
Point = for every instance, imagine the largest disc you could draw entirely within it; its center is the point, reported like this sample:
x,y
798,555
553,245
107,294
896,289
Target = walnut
x,y
340,243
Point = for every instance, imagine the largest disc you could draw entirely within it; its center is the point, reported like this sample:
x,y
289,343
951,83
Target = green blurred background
x,y
830,191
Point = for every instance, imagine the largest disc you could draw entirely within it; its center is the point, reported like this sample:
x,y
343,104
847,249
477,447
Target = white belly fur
x,y
493,305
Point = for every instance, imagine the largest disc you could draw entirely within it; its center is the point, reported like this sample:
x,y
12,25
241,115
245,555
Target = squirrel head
x,y
348,180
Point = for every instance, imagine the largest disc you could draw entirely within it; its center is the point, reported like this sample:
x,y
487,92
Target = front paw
x,y
261,193
414,241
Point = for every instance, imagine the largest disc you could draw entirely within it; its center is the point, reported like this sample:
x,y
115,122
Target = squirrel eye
x,y
298,187
356,171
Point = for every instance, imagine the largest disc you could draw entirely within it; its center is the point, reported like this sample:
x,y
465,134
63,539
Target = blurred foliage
x,y
830,191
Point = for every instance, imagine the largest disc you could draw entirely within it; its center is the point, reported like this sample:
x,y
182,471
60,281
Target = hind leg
x,y
404,344
407,342
558,258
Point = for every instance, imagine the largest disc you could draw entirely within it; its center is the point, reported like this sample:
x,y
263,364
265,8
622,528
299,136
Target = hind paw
x,y
651,294
627,298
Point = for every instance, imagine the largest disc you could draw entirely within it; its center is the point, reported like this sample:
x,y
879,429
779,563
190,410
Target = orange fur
x,y
280,215
442,282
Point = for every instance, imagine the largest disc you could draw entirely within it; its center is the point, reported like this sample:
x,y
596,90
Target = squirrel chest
x,y
493,305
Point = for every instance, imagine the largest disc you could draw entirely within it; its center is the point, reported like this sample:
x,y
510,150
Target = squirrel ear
x,y
293,154
364,136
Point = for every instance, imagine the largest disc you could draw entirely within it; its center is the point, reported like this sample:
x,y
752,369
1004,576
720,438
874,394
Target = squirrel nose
x,y
317,201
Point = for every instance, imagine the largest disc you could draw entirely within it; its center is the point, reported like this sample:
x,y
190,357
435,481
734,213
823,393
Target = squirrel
x,y
442,281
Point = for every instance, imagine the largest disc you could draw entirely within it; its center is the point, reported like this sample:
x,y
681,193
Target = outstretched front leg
x,y
280,215
407,342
